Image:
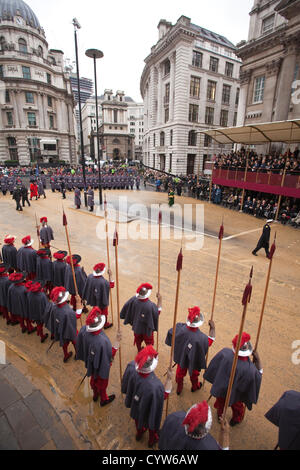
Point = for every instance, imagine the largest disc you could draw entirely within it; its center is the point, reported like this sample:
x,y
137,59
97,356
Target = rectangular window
x,y
195,87
49,101
12,148
7,96
197,59
1,71
211,90
214,64
171,137
224,118
267,24
209,116
49,81
234,119
167,67
207,141
193,112
166,114
26,72
228,69
153,140
259,86
31,119
51,121
29,97
10,120
167,93
226,94
237,96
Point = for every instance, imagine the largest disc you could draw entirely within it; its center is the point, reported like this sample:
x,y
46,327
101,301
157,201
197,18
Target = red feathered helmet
x,y
195,317
146,360
43,219
245,346
36,287
9,239
28,285
27,241
95,320
76,259
144,291
60,255
198,416
99,269
17,278
59,295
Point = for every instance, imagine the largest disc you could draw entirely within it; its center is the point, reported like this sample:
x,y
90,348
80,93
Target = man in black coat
x,y
24,194
97,290
285,414
37,304
94,348
60,320
17,197
9,253
145,393
190,431
264,240
59,268
247,379
4,286
80,277
190,348
26,258
142,314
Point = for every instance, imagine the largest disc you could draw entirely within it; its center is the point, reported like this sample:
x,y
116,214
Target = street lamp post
x,y
76,27
96,54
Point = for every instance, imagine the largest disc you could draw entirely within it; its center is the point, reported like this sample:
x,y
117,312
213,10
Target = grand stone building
x,y
190,83
271,63
37,121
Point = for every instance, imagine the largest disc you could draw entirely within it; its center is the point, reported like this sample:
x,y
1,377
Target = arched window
x,y
192,140
2,43
22,45
40,51
162,139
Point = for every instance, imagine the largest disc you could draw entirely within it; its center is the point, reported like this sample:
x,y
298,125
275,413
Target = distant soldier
x,y
264,240
9,253
142,314
41,190
46,233
90,199
24,193
4,185
77,196
17,195
97,290
33,191
94,348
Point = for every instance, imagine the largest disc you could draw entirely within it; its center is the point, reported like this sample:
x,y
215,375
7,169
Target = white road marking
x,y
241,233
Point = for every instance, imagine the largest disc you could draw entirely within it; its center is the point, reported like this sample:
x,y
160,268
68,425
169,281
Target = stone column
x,y
285,82
172,59
159,97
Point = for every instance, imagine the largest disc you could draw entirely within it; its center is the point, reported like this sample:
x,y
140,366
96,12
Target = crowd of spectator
x,y
260,163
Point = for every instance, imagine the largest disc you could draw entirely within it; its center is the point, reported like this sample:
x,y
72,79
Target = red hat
x,y
198,414
146,360
36,287
245,346
3,268
9,239
43,219
144,291
43,252
95,320
60,255
17,277
59,295
76,259
28,285
27,241
99,269
195,317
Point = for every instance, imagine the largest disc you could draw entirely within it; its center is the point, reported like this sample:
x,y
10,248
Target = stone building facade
x,y
270,74
37,121
190,83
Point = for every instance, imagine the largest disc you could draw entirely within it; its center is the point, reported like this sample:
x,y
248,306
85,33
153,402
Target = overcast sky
x,y
126,30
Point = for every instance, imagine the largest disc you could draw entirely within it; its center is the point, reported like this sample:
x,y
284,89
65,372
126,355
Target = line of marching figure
x,y
30,298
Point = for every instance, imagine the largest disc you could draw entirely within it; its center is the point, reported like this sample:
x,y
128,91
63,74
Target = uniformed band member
x,y
9,253
145,393
60,320
46,233
171,197
94,348
26,258
77,195
190,348
142,314
285,414
264,240
247,379
97,290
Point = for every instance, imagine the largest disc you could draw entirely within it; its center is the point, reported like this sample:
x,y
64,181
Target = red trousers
x,y
238,409
99,387
65,349
181,373
138,339
153,435
4,312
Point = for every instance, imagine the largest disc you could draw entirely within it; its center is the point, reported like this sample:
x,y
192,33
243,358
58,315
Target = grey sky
x,y
126,30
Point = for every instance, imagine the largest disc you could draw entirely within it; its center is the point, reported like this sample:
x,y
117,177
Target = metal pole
x,y
80,118
97,127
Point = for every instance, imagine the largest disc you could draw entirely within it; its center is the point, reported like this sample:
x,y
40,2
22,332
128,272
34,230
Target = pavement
x,y
27,420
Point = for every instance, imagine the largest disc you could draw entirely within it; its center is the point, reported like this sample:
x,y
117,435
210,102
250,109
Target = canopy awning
x,y
261,133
